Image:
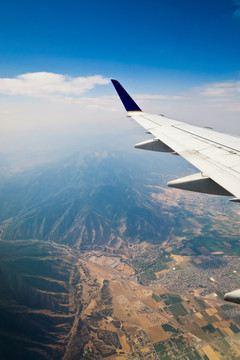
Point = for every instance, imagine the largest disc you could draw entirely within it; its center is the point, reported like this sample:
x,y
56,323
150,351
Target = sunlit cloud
x,y
49,85
112,103
159,97
70,113
222,89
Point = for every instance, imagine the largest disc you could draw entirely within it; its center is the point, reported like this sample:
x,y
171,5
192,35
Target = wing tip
x,y
126,99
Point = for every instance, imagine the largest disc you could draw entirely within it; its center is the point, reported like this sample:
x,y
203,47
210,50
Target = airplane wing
x,y
215,154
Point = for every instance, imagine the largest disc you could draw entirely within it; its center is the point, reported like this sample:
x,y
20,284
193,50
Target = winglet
x,y
126,99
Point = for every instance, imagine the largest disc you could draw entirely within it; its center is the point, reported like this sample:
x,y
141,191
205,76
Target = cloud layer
x,y
70,112
49,85
222,89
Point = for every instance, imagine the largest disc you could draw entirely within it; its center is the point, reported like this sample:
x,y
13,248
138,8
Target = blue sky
x,y
185,52
188,38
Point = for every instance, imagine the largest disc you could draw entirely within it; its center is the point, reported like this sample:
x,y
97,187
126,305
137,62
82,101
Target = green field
x,y
156,297
178,310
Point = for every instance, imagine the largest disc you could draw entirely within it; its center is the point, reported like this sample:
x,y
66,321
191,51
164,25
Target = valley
x,y
98,262
148,320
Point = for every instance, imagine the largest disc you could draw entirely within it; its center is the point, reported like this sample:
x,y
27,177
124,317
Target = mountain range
x,y
53,213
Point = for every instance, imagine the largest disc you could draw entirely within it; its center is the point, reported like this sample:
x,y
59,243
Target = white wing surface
x,y
215,154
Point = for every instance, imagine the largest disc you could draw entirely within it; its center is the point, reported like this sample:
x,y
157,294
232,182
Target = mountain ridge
x,y
102,192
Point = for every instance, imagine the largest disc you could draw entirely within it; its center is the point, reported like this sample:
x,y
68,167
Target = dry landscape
x,y
148,322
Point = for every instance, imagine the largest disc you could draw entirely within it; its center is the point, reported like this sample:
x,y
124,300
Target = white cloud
x,y
92,119
49,85
58,87
159,97
222,89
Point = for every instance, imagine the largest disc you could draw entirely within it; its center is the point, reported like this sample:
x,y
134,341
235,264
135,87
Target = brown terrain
x,y
134,275
145,301
123,319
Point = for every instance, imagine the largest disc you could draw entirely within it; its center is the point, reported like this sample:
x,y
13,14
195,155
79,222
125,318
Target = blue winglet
x,y
127,101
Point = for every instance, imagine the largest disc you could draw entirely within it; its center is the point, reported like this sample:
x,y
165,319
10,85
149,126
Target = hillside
x,y
85,201
96,199
70,227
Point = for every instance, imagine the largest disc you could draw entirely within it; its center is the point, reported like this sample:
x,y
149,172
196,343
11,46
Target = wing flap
x,y
218,161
